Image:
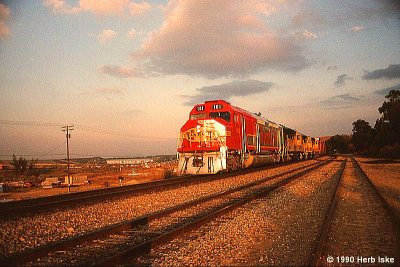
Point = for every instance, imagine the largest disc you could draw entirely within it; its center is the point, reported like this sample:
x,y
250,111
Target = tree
x,y
339,143
31,167
363,136
19,165
388,126
384,133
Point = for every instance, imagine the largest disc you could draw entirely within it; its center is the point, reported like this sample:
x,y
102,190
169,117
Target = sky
x,y
126,73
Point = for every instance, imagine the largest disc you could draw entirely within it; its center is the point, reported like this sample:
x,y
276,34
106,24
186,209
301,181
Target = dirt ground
x,y
97,181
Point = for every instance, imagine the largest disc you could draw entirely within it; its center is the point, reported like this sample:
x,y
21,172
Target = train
x,y
221,137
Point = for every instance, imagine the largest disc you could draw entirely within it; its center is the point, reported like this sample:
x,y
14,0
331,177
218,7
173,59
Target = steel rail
x,y
21,207
145,247
34,253
392,214
62,200
319,247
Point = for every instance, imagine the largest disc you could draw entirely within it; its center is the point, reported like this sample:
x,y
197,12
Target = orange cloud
x,y
251,22
132,33
306,34
137,9
4,12
109,90
106,36
58,6
356,29
4,29
99,7
120,72
216,38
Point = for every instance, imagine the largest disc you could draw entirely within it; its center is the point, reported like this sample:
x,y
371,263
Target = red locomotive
x,y
219,137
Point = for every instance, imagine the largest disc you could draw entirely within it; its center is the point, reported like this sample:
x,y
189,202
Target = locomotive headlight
x,y
198,128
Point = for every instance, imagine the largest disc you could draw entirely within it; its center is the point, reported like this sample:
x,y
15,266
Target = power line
x,y
85,128
30,123
31,155
48,153
58,154
38,154
103,131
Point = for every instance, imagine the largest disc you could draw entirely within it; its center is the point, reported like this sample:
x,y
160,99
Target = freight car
x,y
220,137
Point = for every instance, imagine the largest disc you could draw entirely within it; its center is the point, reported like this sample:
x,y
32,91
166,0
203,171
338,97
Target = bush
x,y
169,174
390,151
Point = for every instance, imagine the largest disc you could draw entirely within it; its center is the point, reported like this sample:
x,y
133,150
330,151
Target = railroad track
x,y
22,207
119,243
382,199
320,258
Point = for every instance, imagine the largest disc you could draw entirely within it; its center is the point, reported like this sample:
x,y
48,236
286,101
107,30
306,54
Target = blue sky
x,y
126,72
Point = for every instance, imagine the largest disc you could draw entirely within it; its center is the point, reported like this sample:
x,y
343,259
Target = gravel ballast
x,y
280,229
361,225
386,178
19,233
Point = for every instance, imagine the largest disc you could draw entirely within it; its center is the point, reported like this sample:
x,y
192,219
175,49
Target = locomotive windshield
x,y
198,116
225,115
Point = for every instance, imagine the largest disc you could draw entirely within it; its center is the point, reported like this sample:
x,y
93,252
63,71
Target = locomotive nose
x,y
202,147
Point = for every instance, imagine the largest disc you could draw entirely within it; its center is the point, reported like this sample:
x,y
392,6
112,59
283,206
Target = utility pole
x,y
67,129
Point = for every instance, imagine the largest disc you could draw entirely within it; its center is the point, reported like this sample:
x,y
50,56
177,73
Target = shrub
x,y
390,151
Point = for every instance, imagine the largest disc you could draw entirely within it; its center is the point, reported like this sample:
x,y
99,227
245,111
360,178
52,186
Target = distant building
x,y
129,161
5,166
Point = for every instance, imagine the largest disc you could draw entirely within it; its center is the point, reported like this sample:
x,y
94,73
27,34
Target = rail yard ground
x,y
314,212
99,175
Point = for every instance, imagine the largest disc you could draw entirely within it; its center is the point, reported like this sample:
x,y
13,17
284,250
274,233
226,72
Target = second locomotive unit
x,y
220,137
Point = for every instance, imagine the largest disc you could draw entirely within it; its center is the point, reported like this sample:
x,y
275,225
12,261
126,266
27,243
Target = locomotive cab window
x,y
200,108
198,116
219,106
226,115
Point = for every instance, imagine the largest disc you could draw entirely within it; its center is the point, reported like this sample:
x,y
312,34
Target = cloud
x,y
132,33
341,99
334,67
314,15
132,112
386,91
58,6
4,12
227,90
99,7
109,90
391,72
356,29
106,36
4,15
137,9
4,30
341,80
216,38
120,72
306,34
